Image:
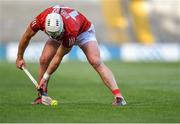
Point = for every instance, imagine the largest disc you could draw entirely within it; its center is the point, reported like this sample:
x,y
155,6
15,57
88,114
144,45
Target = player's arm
x,y
29,33
54,63
64,48
57,59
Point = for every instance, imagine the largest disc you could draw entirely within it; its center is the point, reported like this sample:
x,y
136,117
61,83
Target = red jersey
x,y
74,23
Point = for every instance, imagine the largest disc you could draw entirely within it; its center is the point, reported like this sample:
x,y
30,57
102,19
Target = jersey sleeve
x,y
35,24
39,21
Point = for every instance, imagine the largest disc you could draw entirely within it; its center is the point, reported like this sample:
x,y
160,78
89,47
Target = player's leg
x,y
47,54
92,53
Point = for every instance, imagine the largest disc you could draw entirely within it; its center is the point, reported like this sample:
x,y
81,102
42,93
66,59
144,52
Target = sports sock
x,y
116,93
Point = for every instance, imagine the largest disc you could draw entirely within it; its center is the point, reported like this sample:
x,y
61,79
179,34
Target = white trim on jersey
x,y
63,7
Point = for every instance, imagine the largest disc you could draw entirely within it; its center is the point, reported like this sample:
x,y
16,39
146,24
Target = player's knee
x,y
43,60
95,62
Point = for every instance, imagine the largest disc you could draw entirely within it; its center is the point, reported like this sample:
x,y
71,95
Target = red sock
x,y
116,92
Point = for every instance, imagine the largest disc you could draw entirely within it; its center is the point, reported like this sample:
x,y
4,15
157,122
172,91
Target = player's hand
x,y
20,63
42,84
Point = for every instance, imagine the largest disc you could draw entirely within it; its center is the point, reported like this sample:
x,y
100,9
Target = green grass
x,y
152,91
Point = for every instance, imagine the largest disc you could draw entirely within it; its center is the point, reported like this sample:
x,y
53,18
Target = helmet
x,y
54,25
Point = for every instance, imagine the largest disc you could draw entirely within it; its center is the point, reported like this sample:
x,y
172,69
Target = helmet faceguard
x,y
54,25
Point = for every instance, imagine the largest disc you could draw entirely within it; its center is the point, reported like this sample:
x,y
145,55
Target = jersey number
x,y
74,14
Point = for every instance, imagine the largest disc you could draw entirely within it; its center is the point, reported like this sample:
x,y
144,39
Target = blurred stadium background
x,y
127,30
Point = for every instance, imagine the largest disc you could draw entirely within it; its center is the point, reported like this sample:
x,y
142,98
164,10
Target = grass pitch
x,y
152,91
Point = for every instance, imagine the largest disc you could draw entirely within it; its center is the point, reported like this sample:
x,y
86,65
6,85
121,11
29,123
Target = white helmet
x,y
54,25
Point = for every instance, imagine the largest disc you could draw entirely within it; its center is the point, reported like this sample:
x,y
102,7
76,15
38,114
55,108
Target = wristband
x,y
46,76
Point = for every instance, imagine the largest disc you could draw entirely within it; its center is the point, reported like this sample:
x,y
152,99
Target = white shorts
x,y
86,36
